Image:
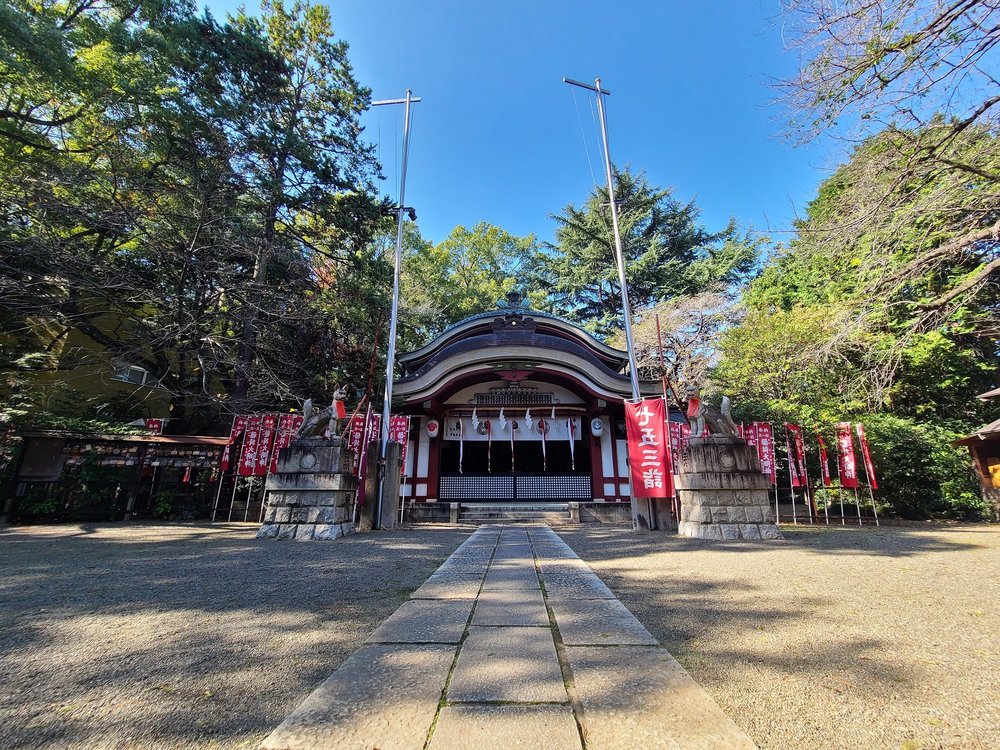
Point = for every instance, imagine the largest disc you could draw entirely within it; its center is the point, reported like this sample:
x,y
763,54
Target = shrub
x,y
920,473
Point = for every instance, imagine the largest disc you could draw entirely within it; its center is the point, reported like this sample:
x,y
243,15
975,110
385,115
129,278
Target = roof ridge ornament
x,y
515,301
514,321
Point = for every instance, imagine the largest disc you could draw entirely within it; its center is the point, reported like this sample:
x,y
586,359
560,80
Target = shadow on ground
x,y
185,635
833,637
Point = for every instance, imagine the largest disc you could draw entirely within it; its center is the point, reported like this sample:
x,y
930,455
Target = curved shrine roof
x,y
474,324
497,344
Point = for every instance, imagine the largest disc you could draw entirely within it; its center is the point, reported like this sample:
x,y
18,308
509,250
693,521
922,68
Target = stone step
x,y
551,519
516,506
505,515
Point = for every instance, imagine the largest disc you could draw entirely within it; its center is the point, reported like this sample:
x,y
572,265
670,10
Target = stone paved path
x,y
512,643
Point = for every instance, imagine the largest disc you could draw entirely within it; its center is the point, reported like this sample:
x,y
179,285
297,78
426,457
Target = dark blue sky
x,y
497,137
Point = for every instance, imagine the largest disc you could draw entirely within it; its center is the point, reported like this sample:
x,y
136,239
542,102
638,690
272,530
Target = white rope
x,y
381,166
583,136
395,149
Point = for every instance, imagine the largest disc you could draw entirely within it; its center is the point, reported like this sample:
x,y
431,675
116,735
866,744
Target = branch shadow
x,y
781,633
126,635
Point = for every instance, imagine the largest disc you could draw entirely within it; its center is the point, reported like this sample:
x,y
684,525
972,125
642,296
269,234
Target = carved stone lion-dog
x,y
699,414
317,424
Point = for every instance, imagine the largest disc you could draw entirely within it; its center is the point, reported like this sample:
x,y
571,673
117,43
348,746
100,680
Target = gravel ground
x,y
833,638
192,636
183,636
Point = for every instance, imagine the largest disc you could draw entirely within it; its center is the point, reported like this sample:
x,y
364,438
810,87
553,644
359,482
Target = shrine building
x,y
516,406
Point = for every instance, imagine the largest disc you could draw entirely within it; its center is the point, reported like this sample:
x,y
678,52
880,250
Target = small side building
x,y
64,476
984,447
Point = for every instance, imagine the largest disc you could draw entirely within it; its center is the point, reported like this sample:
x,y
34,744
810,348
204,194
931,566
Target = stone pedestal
x,y
311,495
722,492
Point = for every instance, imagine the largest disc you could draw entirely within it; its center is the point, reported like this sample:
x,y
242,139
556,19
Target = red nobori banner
x,y
793,471
846,463
867,456
796,454
648,453
239,424
288,428
268,426
364,430
369,429
749,433
765,449
824,462
354,437
679,434
399,432
251,446
676,438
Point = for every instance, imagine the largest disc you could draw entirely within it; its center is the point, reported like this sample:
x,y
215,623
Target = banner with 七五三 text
x,y
648,448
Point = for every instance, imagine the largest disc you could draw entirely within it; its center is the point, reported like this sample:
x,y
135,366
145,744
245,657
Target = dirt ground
x,y
185,636
833,638
194,636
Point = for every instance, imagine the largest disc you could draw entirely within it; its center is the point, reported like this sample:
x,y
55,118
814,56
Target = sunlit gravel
x,y
185,636
839,638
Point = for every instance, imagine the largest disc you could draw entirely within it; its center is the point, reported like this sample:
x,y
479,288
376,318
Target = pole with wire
x,y
810,500
791,484
639,519
401,211
675,500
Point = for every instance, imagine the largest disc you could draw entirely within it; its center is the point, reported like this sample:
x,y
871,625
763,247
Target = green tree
x,y
304,153
919,80
196,213
467,273
667,254
898,316
851,321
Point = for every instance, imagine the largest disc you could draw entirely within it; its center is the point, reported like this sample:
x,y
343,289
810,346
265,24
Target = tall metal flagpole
x,y
397,262
620,262
619,255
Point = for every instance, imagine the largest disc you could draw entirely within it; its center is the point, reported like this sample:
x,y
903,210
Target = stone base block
x,y
309,514
314,456
304,532
728,531
279,498
310,497
724,496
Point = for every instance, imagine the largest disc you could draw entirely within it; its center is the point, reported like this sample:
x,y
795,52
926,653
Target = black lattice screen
x,y
473,487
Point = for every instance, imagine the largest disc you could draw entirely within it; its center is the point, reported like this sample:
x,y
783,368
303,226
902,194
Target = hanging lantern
x,y
596,427
433,428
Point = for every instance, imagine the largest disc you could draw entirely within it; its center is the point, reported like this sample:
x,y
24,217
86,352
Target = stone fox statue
x,y
315,424
700,414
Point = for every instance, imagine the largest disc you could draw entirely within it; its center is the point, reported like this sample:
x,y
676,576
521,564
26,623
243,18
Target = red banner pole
x,y
222,472
871,494
218,494
866,453
791,484
840,488
246,508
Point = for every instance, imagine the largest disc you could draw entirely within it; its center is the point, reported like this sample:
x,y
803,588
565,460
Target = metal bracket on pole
x,y
401,211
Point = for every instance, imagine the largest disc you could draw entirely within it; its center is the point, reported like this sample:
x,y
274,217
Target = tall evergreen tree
x,y
668,253
186,197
